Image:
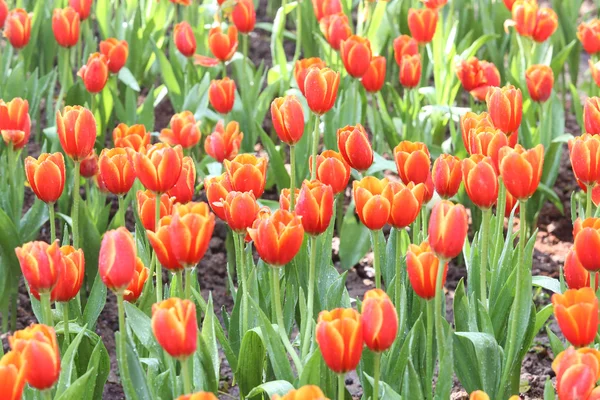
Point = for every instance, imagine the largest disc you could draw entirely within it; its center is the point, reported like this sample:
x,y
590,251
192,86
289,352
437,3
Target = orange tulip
x,y
491,78
521,170
505,106
488,142
183,191
224,142
446,175
15,122
524,15
374,78
576,312
39,350
429,189
379,320
315,206
410,71
339,334
576,275
65,25
181,2
356,55
83,8
221,95
12,370
591,115
587,242
135,288
146,207
247,173
3,12
412,161
434,4
244,16
116,171
481,180
278,237
94,73
134,137
404,45
223,45
595,71
70,277
117,260
185,131
240,210
405,204
306,392
158,167
88,167
175,326
302,67
41,264
448,227
46,176
422,24
511,202
198,396
576,372
324,8
17,28
545,25
509,4
588,34
470,121
116,52
216,188
76,128
540,80
422,268
332,170
479,395
284,198
355,147
477,77
584,152
335,28
184,38
161,243
288,119
373,202
321,89
190,231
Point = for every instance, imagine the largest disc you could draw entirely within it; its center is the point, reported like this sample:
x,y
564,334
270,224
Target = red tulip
x,y
118,256
521,170
524,16
448,227
335,28
356,55
591,115
505,106
321,89
315,206
589,35
46,176
158,167
545,25
587,242
278,237
135,288
576,275
15,122
88,167
217,188
576,312
379,320
134,137
584,152
302,67
288,119
355,148
161,243
183,191
540,80
422,268
247,173
39,350
324,8
76,128
405,45
406,202
184,131
190,231
116,52
446,175
481,180
374,78
221,95
412,161
83,8
339,335
146,207
94,73
65,25
116,171
184,38
17,28
332,170
244,16
70,277
175,327
422,24
3,12
225,141
223,45
41,264
240,210
410,71
373,202
12,364
576,373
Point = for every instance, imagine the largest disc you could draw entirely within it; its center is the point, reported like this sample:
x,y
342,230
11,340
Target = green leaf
x,y
95,303
210,343
559,61
140,325
542,316
276,163
547,283
385,391
33,220
249,372
480,363
411,388
128,79
271,389
137,387
355,240
77,389
67,365
168,77
556,344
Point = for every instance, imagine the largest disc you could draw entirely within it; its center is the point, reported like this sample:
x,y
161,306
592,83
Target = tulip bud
x,y
244,16
321,89
521,170
446,175
355,147
404,45
505,106
17,28
221,95
356,55
479,395
422,268
576,312
284,198
288,119
225,141
576,373
591,115
576,275
488,142
339,334
434,4
134,137
88,167
406,202
3,12
15,122
116,52
223,45
588,34
190,231
240,210
175,327
12,364
70,277
422,24
491,78
94,73
184,38
198,396
410,71
83,8
584,152
159,167
65,25
315,206
116,171
477,76
471,121
135,288
161,243
524,16
46,176
278,237
540,80
373,202
412,161
379,320
306,392
39,350
374,78
332,170
324,8
217,188
146,203
184,131
335,28
545,25
183,191
302,67
118,256
587,242
481,180
41,264
448,227
247,173
76,128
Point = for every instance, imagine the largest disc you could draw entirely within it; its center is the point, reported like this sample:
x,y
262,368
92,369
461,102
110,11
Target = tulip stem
x,y
122,339
185,372
500,206
376,374
12,165
189,276
46,309
429,346
588,202
47,394
276,303
158,266
239,244
65,312
122,209
484,242
298,32
75,213
593,281
52,222
398,265
311,296
439,307
376,258
179,275
292,178
341,386
315,147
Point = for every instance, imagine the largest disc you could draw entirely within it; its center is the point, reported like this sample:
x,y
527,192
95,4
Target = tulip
x,y
321,89
481,180
540,80
70,277
244,16
595,71
183,191
511,203
339,335
284,198
190,231
15,122
448,227
76,128
315,206
356,55
225,141
524,15
277,238
88,167
509,4
374,78
223,45
422,24
146,201
576,312
422,268
324,8
488,142
546,24
576,275
17,28
446,175
198,396
221,95
434,4
412,161
117,259
184,131
302,67
405,45
355,147
184,38
470,121
135,288
181,2
429,189
116,52
405,204
83,8
589,35
288,119
41,265
247,173
332,170
39,350
505,106
161,243
491,78
3,12
240,210
521,170
116,171
410,71
46,176
587,242
159,167
576,373
94,73
379,320
12,365
591,115
335,28
306,392
175,327
477,76
373,202
217,188
134,137
65,25
479,395
584,152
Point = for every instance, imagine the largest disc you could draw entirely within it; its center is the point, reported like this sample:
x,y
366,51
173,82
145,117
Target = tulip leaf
x,y
547,283
542,316
166,71
444,383
276,162
271,389
411,388
355,240
136,387
128,79
558,62
95,302
78,388
33,220
249,372
336,291
556,344
141,327
385,391
479,366
67,365
100,360
208,334
9,268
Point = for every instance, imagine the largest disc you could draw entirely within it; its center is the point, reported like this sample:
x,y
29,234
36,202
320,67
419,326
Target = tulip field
x,y
307,199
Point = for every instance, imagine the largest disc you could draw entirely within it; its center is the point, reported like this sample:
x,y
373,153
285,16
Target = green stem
x,y
376,258
185,372
424,221
65,312
339,212
315,147
224,70
311,296
415,229
292,177
122,338
439,297
500,206
593,281
122,209
341,386
485,239
12,165
588,201
298,32
376,373
46,309
245,60
75,213
52,222
398,267
179,275
239,244
189,275
47,394
429,347
159,282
